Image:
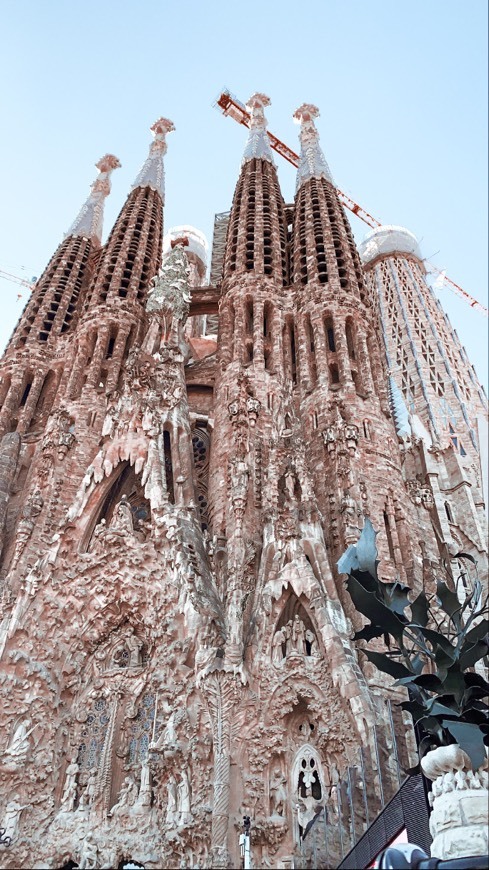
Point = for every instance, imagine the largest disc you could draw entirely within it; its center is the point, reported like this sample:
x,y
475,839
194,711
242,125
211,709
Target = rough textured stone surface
x,y
175,637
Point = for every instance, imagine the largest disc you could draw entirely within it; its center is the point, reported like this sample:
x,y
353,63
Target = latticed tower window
x,y
456,440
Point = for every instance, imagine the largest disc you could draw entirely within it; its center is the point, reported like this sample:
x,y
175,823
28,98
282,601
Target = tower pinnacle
x,y
312,162
89,222
258,144
152,173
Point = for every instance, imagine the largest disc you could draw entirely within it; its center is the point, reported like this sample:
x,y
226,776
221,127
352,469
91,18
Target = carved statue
x,y
239,478
69,791
144,797
127,797
310,637
134,644
351,436
11,817
168,736
26,525
184,815
297,639
90,791
19,745
87,858
278,793
171,807
279,638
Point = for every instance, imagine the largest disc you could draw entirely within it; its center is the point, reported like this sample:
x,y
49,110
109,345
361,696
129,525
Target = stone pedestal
x,y
459,798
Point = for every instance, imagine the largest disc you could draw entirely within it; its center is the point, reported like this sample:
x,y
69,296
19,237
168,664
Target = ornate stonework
x,y
175,639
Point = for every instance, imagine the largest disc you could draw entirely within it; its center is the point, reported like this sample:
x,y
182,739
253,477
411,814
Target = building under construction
x,y
182,465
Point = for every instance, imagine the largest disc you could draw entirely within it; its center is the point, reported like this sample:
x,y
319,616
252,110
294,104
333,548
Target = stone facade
x,y
175,637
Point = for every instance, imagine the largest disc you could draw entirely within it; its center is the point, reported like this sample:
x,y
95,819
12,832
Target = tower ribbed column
x,y
114,304
39,338
251,310
446,404
343,399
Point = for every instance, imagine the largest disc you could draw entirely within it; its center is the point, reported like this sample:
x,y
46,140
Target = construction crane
x,y
17,280
233,108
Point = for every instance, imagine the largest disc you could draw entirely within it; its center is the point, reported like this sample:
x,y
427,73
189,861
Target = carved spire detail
x,y
153,173
89,222
258,145
312,162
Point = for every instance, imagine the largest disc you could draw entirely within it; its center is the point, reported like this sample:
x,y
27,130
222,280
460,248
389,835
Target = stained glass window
x,y
93,735
142,730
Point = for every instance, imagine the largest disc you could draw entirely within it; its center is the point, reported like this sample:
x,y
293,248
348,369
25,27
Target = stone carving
x,y
88,853
119,531
278,793
459,799
293,639
89,793
145,791
184,815
30,513
171,805
170,295
420,493
19,744
239,474
279,639
70,787
11,817
128,796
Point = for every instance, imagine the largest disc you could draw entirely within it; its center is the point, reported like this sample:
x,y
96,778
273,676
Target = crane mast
x,y
233,108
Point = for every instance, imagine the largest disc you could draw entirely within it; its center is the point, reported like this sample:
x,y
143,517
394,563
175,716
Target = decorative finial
x,y
312,162
152,173
258,145
89,222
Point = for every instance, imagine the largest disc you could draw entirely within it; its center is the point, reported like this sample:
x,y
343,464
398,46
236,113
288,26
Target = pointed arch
x,y
126,484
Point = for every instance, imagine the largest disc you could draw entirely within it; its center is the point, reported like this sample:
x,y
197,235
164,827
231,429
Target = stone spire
x,y
89,222
312,162
152,173
258,145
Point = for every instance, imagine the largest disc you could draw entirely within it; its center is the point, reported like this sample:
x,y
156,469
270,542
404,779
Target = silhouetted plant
x,y
432,644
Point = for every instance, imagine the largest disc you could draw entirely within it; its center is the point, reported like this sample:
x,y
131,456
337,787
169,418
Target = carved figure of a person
x,y
69,791
279,639
11,816
134,645
310,637
30,513
184,815
90,791
351,436
278,793
127,796
288,637
87,859
297,635
19,745
290,484
144,797
122,518
171,806
239,478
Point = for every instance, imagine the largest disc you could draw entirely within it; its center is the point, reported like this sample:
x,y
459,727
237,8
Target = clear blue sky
x,y
402,88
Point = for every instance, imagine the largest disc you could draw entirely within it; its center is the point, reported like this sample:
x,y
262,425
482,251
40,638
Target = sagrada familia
x,y
182,465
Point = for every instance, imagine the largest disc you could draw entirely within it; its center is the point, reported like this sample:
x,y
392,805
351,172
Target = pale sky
x,y
402,89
